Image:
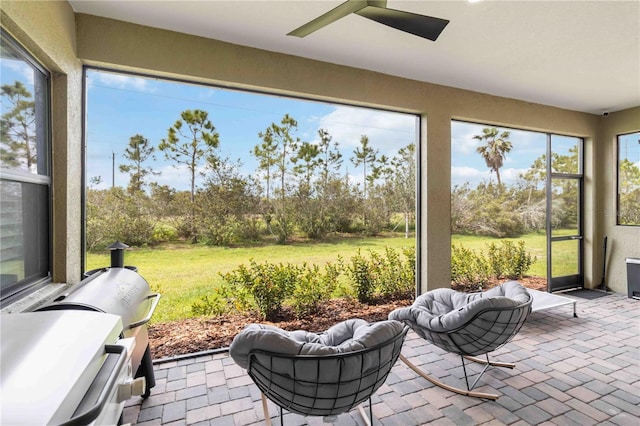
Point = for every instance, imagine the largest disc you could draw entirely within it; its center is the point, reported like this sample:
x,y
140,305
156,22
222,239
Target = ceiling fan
x,y
423,26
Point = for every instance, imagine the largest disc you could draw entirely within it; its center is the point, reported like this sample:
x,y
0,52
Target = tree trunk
x,y
406,224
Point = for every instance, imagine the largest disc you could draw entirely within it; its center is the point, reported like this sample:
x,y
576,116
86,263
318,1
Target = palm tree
x,y
495,150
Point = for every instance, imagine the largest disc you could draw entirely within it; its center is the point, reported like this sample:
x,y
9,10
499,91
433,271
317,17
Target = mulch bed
x,y
200,334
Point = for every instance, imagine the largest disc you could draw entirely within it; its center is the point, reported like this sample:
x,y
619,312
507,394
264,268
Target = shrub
x,y
509,260
362,273
224,298
473,270
518,260
163,233
268,284
395,277
313,288
496,260
210,306
469,268
409,271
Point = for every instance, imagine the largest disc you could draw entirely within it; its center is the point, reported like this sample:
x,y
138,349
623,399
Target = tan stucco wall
x,y
623,241
129,47
47,30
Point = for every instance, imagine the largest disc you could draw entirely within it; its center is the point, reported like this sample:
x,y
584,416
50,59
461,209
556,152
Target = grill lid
x,y
118,291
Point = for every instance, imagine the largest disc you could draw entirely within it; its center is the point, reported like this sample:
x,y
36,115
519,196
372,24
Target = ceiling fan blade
x,y
333,15
423,26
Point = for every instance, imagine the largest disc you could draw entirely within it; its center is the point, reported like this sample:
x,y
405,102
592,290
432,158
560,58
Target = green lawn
x,y
185,272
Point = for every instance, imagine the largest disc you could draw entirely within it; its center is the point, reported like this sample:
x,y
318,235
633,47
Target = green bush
x,y
409,271
496,260
268,284
362,273
469,268
395,277
314,287
519,260
266,287
509,260
163,233
224,299
473,270
210,306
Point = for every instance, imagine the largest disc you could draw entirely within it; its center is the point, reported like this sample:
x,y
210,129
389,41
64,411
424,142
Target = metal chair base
x,y
469,391
368,420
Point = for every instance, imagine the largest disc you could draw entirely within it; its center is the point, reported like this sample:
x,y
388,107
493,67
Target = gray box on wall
x,y
633,277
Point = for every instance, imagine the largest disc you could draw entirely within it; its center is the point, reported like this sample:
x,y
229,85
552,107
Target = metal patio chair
x,y
467,324
324,374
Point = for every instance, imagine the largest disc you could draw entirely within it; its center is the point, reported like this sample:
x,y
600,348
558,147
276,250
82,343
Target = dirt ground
x,y
200,334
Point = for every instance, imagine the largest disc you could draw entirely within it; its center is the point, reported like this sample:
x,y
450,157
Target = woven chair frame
x,y
281,378
488,330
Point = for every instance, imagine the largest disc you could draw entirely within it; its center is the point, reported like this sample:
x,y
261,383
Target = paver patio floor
x,y
569,371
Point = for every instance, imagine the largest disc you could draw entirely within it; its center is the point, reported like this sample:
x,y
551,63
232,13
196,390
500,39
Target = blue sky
x,y
468,166
119,106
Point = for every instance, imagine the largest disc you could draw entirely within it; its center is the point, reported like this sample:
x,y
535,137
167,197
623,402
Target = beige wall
x,y
47,30
623,241
129,47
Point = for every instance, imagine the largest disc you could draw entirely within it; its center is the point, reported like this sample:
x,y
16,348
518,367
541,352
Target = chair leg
x,y
486,364
444,385
368,420
265,409
492,363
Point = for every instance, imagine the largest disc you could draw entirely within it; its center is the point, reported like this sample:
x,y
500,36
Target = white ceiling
x,y
579,55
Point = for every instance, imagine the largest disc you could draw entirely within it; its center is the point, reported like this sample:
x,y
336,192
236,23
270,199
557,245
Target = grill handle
x,y
156,299
92,413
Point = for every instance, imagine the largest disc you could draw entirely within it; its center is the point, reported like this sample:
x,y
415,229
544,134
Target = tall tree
x,y
404,182
318,203
190,141
229,200
17,132
137,153
495,150
286,146
330,156
364,155
307,160
266,155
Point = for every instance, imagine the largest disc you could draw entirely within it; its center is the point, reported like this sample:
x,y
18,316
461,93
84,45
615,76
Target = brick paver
x,y
569,371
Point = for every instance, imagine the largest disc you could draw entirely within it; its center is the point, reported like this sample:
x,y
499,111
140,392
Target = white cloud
x,y
384,129
178,176
462,141
462,174
511,174
22,68
122,81
467,174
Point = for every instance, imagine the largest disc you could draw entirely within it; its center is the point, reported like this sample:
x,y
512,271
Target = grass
x,y
183,272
